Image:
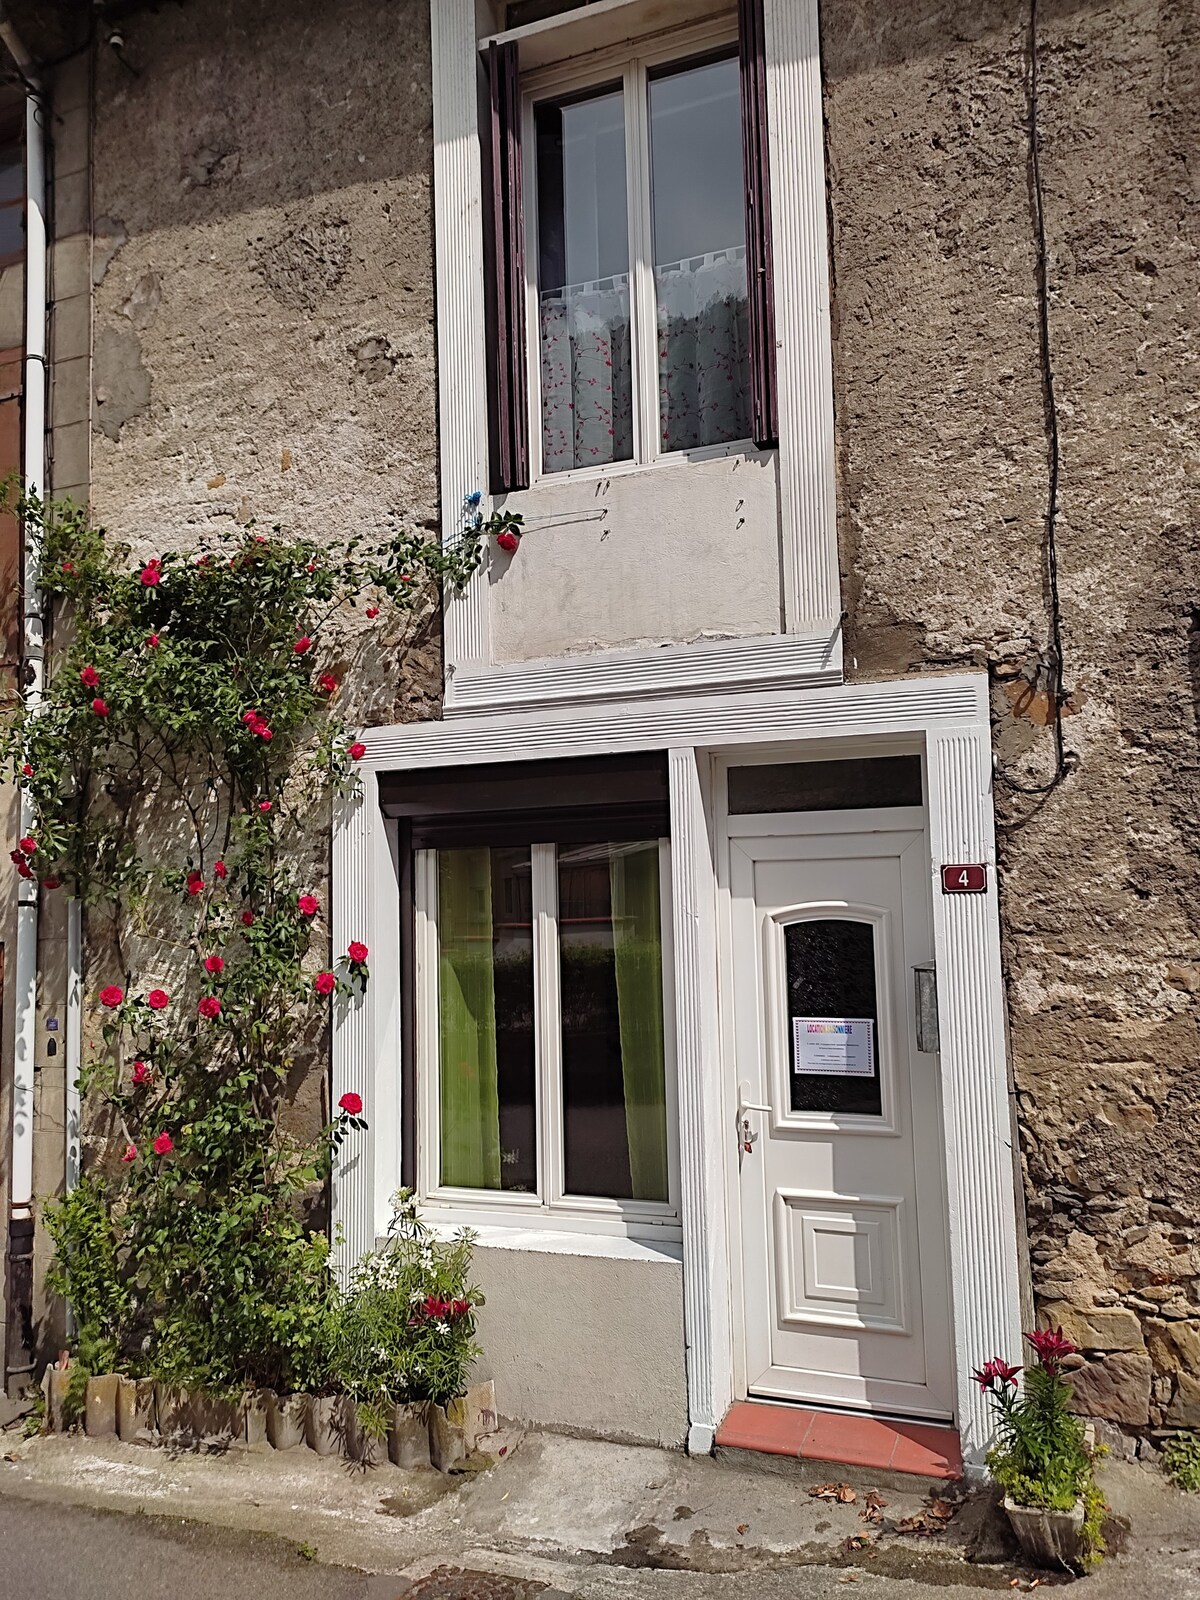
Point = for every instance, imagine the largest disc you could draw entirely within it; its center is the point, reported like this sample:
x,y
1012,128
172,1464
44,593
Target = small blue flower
x,y
473,499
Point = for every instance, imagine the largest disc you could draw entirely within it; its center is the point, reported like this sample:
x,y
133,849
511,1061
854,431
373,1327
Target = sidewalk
x,y
601,1522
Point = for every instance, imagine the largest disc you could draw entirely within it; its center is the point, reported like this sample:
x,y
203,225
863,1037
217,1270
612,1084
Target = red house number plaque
x,y
968,877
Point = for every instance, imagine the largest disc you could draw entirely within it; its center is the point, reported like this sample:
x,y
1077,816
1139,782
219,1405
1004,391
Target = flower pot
x,y
174,1409
448,1446
1051,1539
100,1411
408,1437
286,1419
135,1409
217,1422
328,1422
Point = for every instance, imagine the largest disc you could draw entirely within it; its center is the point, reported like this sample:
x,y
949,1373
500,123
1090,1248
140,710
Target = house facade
x,y
776,868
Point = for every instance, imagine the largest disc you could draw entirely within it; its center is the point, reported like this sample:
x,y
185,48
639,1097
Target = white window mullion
x,y
643,331
428,1139
547,1012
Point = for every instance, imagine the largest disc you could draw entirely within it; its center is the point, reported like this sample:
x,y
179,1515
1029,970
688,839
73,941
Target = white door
x,y
839,1117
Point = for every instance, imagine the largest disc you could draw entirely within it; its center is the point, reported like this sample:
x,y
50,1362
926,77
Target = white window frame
x,y
631,66
551,1207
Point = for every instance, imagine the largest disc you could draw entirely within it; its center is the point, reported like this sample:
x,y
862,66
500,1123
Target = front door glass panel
x,y
833,1017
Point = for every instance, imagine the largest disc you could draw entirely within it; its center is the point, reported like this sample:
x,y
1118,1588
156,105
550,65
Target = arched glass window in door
x,y
833,1016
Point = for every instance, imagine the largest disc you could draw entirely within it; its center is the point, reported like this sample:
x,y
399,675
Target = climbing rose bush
x,y
186,752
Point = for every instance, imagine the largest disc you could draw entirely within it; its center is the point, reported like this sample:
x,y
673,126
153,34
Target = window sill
x,y
737,450
613,1247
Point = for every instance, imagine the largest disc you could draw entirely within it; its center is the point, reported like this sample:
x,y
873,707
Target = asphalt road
x,y
59,1552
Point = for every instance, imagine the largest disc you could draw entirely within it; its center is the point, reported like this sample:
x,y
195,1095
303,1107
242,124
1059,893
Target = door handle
x,y
747,1136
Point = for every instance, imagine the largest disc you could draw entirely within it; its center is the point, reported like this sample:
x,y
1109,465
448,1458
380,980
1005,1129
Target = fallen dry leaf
x,y
842,1492
743,1527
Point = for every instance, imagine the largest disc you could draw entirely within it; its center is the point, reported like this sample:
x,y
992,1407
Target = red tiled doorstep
x,y
925,1449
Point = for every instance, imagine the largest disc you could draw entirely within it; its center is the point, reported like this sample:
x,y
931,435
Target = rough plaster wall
x,y
263,342
264,305
942,458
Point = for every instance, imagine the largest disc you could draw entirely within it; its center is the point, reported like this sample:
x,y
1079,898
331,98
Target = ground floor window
x,y
545,1047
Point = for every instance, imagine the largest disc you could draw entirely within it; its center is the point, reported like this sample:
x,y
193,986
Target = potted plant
x,y
1041,1458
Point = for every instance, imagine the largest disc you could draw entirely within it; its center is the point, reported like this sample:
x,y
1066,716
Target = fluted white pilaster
x,y
804,348
981,1187
706,1295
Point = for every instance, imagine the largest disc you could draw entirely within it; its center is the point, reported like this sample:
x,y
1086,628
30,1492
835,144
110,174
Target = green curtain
x,y
467,1021
637,947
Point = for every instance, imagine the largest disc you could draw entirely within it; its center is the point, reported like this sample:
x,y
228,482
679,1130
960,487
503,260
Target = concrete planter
x,y
100,1410
363,1448
254,1419
55,1385
136,1410
480,1402
328,1424
448,1441
1051,1539
287,1418
408,1437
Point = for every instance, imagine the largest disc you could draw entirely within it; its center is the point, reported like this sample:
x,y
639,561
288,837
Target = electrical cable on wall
x,y
1064,759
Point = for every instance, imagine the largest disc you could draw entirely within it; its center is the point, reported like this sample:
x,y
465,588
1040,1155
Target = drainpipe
x,y
19,1360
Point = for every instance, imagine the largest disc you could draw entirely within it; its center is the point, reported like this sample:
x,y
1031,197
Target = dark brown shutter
x,y
752,60
504,272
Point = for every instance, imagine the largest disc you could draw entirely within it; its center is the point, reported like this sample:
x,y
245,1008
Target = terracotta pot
x,y
448,1446
408,1437
287,1416
100,1413
1051,1539
135,1409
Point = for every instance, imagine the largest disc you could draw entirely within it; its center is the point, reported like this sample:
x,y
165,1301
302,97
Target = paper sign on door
x,y
840,1046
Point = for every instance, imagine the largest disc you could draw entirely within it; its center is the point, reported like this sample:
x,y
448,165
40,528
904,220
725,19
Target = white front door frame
x,y
948,718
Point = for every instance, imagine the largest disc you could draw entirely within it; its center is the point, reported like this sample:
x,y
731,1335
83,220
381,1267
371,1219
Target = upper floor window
x,y
640,285
629,270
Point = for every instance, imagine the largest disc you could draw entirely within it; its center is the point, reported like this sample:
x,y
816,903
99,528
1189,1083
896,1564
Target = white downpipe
x,y
72,1047
34,451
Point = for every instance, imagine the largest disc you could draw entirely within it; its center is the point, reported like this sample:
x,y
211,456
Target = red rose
x,y
351,1102
195,882
327,682
28,845
89,677
508,541
67,566
247,919
220,870
130,1153
357,951
372,612
111,996
307,905
214,964
151,576
27,770
302,644
152,641
51,883
357,750
324,983
157,999
210,1007
163,1145
264,806
24,869
100,707
141,1073
249,718
263,731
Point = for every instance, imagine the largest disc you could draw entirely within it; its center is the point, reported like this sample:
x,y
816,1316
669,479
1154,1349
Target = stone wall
x,y
942,437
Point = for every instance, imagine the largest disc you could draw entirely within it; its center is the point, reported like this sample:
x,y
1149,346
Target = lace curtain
x,y
703,359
